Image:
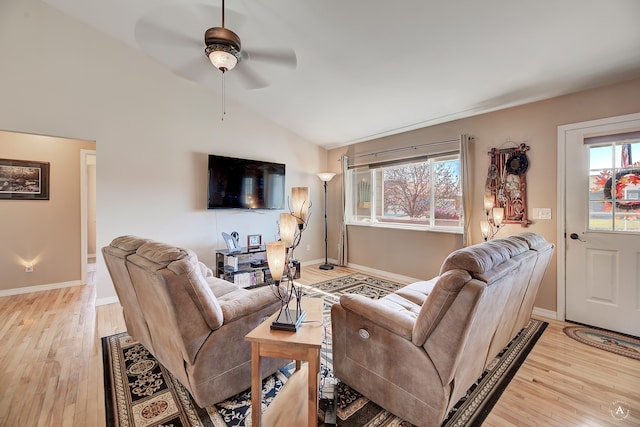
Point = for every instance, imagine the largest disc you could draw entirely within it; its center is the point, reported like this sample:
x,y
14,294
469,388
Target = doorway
x,y
88,216
599,226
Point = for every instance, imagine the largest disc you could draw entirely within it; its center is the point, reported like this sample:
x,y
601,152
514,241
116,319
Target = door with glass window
x,y
602,225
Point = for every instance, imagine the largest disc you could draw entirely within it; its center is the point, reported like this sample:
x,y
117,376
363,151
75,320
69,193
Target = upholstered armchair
x,y
416,352
192,322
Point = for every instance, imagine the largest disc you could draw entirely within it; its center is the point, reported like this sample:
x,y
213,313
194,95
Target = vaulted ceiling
x,y
368,68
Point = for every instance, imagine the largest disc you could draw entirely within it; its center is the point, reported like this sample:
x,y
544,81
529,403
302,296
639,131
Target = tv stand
x,y
245,267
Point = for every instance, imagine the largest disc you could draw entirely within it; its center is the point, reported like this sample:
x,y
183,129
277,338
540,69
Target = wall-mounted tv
x,y
245,184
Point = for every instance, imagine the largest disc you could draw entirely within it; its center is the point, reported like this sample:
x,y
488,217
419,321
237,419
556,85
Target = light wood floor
x,y
51,367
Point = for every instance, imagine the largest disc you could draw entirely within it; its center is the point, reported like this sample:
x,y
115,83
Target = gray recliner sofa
x,y
416,352
192,322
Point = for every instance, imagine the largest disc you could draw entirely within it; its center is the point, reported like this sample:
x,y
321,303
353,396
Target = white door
x,y
602,223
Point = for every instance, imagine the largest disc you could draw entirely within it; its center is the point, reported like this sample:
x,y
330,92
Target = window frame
x,y
596,204
372,219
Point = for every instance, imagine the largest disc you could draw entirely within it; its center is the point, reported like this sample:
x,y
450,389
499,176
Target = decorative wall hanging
x,y
20,179
507,183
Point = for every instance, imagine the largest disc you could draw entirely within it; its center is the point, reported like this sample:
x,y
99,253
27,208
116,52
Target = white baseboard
x,y
384,273
543,312
38,288
107,301
318,261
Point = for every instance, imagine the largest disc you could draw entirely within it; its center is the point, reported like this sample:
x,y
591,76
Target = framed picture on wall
x,y
23,179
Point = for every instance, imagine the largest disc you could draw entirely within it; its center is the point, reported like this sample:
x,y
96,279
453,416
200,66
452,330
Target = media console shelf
x,y
246,268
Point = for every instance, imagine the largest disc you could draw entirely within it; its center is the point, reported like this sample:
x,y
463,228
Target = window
x,y
423,194
614,191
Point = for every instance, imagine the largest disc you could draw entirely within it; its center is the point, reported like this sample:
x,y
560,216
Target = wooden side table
x,y
303,345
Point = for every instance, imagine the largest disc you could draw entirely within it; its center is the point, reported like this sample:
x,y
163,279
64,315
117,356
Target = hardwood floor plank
x,y
564,382
51,367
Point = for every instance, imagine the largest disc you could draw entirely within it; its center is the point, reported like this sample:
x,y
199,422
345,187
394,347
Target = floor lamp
x,y
326,177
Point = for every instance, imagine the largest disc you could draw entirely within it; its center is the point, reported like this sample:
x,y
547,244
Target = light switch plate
x,y
541,213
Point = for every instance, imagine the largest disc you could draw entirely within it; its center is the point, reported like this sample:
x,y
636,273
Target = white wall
x,y
153,131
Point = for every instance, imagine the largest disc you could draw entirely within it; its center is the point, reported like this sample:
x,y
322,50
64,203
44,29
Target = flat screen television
x,y
236,183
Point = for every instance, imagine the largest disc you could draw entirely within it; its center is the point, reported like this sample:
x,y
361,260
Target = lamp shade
x,y
288,225
485,229
300,203
326,176
498,216
276,255
488,202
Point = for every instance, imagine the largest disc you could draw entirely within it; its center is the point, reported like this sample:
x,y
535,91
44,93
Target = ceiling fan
x,y
163,30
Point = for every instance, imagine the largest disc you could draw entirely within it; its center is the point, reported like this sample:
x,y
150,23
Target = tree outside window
x,y
407,192
448,192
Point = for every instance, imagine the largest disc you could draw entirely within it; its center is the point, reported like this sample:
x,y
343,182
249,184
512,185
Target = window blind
x,y
618,137
410,153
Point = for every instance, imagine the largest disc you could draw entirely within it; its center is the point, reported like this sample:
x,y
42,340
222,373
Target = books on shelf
x,y
249,278
259,276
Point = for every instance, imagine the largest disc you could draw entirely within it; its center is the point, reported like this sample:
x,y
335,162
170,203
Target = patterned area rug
x,y
624,345
139,392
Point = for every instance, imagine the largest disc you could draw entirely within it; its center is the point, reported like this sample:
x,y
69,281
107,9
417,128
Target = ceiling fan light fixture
x,y
223,57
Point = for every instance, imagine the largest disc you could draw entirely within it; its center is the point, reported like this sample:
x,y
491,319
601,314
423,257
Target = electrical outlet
x,y
308,247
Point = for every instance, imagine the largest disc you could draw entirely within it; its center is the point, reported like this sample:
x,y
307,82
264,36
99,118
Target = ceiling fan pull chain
x,y
224,97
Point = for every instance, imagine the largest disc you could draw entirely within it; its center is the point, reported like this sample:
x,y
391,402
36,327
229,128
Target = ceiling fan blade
x,y
285,57
197,69
149,33
181,25
248,78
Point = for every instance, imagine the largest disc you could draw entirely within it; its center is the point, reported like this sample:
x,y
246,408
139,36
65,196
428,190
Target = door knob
x,y
574,236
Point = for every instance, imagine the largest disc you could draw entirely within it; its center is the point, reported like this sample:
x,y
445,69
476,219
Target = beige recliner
x,y
416,352
192,322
